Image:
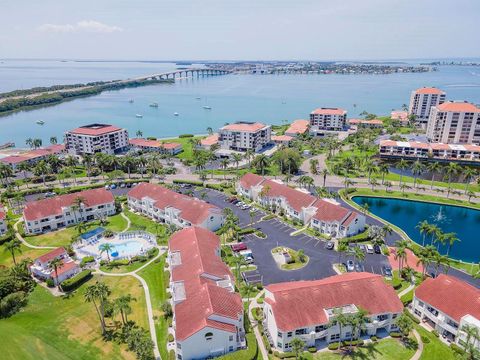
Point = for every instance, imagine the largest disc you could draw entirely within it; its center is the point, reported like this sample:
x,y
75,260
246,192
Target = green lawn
x,y
64,237
67,328
154,275
187,146
139,222
6,257
435,349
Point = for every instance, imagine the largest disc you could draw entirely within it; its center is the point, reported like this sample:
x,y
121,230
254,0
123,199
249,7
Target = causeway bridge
x,y
183,73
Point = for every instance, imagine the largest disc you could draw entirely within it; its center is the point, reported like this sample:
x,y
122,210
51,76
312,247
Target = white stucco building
x,y
324,215
328,119
42,270
3,221
421,102
446,304
243,136
58,212
95,138
454,122
305,309
208,314
167,206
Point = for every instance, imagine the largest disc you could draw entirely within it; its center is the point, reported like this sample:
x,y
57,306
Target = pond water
x,y
406,214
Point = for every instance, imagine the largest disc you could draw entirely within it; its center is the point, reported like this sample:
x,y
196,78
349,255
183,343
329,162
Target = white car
x,y
369,249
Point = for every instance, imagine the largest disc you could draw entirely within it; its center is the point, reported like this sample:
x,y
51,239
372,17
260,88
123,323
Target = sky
x,y
239,30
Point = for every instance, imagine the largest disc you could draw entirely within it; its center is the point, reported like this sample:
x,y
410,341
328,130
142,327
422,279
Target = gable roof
x,y
193,210
303,303
244,126
199,268
94,129
298,127
450,295
51,255
2,212
458,106
429,90
329,111
39,209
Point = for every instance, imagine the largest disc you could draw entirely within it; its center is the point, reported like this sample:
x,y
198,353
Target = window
x,y
279,334
230,348
320,328
335,337
208,336
289,334
230,338
179,346
279,344
300,331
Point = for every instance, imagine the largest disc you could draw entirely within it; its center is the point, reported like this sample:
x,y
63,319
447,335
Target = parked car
x,y
377,249
329,245
359,267
247,255
122,185
387,271
350,266
129,185
362,247
369,249
239,247
113,186
107,187
235,201
49,194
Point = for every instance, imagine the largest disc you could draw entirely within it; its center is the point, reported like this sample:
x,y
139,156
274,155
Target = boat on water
x,y
40,122
139,115
176,114
206,107
198,98
131,101
155,105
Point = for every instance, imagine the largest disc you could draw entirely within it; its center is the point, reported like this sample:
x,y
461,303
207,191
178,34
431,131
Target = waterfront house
x,y
282,139
421,102
324,215
243,136
298,127
42,270
95,138
167,206
370,124
61,211
32,157
171,148
446,304
208,314
399,115
209,141
327,119
307,309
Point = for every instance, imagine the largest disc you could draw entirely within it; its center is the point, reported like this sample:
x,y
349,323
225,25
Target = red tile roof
x,y
209,140
329,111
450,295
429,90
171,145
65,267
249,180
203,297
34,154
2,212
458,107
51,255
298,127
399,115
193,210
303,303
53,206
296,199
95,129
281,138
365,122
241,126
145,142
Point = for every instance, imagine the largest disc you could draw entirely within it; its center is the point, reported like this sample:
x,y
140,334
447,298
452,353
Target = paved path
x,y
122,214
419,351
406,290
258,336
24,242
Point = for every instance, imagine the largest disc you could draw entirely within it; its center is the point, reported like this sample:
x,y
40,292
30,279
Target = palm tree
x,y
42,169
451,169
297,347
468,173
417,169
261,162
13,246
358,323
251,213
98,295
54,264
29,142
423,227
340,319
401,253
365,207
249,288
314,166
384,170
373,183
472,337
249,154
236,159
324,173
450,239
139,133
122,304
433,167
209,130
128,162
24,167
224,164
342,248
371,168
53,140
402,165
358,255
106,248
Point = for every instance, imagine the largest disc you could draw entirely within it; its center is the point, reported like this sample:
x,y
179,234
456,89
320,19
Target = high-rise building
x,y
243,136
422,100
454,122
94,138
328,119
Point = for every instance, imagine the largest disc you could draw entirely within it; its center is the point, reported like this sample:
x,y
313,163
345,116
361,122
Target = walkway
x,y
24,242
129,223
254,304
419,351
406,290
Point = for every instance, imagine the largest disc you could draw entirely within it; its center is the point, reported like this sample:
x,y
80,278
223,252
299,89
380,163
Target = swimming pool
x,y
127,248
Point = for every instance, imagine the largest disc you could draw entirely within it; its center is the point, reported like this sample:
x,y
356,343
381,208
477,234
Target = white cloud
x,y
91,26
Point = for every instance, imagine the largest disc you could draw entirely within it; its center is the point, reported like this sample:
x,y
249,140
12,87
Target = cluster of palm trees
x,y
472,339
436,235
356,321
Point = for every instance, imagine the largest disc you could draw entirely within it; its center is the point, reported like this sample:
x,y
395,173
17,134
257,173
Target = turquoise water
x,y
266,98
128,248
407,214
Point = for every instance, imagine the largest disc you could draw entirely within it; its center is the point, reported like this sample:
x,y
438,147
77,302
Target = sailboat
x,y
130,101
176,114
40,122
206,107
139,115
155,105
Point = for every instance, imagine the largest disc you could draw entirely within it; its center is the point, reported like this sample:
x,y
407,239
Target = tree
x,y
342,248
139,133
249,288
77,205
236,159
297,347
358,255
472,338
365,207
98,295
373,183
249,154
402,165
404,324
383,169
106,248
53,140
251,213
451,170
423,227
417,169
314,166
13,246
371,168
450,239
54,265
468,173
24,167
433,168
209,130
224,164
401,253
324,174
122,305
358,322
301,255
340,319
260,162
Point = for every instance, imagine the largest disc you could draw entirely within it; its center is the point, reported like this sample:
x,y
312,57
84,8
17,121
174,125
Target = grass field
x,y
64,237
154,275
139,222
434,349
187,146
67,327
6,257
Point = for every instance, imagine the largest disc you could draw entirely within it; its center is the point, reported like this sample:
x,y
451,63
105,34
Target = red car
x,y
239,247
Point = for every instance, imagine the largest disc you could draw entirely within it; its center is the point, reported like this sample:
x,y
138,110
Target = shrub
x,y
333,346
246,231
395,334
286,355
268,217
170,338
396,284
425,339
167,309
87,260
171,355
312,349
185,136
435,333
152,252
411,316
185,181
50,283
260,234
260,301
120,262
77,280
373,338
457,349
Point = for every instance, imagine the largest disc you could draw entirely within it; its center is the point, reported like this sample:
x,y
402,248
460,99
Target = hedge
x,y
395,334
435,332
246,231
171,355
86,260
333,346
425,339
411,316
268,217
190,182
77,280
170,338
285,355
457,349
185,136
312,349
373,338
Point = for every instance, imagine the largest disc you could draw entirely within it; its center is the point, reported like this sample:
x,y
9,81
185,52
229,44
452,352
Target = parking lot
x,y
279,234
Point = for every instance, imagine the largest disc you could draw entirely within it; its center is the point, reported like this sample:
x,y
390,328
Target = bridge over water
x,y
183,73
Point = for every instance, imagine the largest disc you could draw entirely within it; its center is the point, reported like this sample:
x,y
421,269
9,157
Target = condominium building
x,y
63,210
96,138
298,127
454,122
422,100
243,136
464,153
208,142
399,115
3,221
371,124
329,119
42,270
32,157
167,206
171,148
324,215
208,314
307,309
446,304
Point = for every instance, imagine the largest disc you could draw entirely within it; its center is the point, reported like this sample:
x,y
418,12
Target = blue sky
x,y
225,29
